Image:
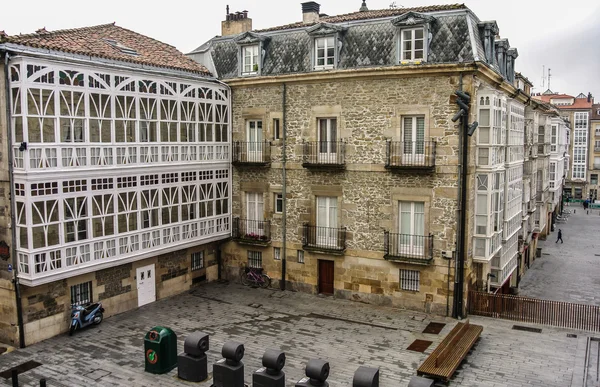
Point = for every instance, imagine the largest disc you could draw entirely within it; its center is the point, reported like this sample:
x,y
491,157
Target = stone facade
x,y
369,113
46,308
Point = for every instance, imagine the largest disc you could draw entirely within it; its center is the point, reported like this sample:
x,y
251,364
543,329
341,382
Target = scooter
x,y
82,316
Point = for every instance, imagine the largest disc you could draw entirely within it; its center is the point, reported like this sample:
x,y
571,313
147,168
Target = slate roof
x,y
371,43
109,41
375,14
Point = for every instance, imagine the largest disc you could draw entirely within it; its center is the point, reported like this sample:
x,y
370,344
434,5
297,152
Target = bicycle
x,y
255,277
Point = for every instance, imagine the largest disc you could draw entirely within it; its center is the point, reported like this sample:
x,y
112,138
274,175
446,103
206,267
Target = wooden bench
x,y
445,359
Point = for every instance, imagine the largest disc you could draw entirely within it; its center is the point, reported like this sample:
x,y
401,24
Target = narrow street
x,y
568,271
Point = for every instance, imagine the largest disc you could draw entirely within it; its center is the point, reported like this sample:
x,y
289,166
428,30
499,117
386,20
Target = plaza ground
x,y
568,271
347,334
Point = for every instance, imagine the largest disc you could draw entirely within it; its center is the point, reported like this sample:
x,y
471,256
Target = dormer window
x,y
252,48
325,53
413,37
412,44
327,44
250,64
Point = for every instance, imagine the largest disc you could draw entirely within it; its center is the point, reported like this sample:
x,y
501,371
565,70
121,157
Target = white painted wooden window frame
x,y
188,133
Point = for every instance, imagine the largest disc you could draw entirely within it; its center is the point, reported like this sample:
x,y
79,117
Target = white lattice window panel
x,y
76,118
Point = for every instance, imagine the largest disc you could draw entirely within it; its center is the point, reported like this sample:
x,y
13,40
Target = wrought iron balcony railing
x,y
326,239
410,155
252,231
408,248
324,154
252,153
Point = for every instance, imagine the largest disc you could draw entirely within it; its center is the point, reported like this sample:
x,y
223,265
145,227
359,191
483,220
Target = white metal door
x,y
255,213
146,285
326,221
255,138
413,136
328,141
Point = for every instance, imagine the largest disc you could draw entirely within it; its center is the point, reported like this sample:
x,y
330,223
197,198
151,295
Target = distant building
x,y
116,180
578,111
594,165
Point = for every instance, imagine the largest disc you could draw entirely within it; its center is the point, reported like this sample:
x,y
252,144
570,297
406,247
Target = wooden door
x,y
146,285
325,277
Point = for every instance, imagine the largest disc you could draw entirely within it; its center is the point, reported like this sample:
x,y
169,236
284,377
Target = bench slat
x,y
454,351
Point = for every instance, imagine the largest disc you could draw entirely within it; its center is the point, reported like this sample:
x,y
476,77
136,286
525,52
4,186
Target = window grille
x,y
255,259
410,280
81,293
198,260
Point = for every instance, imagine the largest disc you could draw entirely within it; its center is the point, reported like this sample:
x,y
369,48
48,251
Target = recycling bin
x,y
160,349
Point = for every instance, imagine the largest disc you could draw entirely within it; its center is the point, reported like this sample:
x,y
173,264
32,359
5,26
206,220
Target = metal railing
x,y
410,154
257,153
535,311
324,153
252,231
324,238
413,248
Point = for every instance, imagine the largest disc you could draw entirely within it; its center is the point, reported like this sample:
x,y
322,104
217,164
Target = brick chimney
x,y
235,23
310,12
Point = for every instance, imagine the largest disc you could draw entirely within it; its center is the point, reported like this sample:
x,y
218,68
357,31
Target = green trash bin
x,y
160,348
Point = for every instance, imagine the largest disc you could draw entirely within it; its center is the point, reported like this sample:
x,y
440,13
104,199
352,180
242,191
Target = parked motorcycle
x,y
82,316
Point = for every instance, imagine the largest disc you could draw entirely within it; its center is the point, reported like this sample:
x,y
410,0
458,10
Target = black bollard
x,y
192,364
270,375
229,372
42,382
317,372
366,377
14,375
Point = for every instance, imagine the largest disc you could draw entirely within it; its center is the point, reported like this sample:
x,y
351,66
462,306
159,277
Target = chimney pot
x,y
245,14
310,12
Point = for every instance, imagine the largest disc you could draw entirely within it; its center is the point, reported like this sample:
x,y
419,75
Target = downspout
x,y
284,190
461,232
12,212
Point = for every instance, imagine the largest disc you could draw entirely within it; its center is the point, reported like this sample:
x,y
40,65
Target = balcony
x,y
324,239
597,149
410,155
324,154
252,232
416,249
251,153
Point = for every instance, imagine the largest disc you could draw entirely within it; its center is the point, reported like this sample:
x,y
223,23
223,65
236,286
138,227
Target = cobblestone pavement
x,y
568,271
347,334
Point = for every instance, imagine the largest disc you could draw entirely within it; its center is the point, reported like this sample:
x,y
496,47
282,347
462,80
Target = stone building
x,y
578,111
594,165
347,159
116,175
545,168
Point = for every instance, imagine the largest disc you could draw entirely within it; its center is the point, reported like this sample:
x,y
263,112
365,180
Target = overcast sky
x,y
563,36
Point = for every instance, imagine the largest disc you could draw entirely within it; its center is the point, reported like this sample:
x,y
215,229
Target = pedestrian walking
x,y
559,236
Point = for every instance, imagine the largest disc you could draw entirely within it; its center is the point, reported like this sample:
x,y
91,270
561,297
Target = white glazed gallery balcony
x,y
113,166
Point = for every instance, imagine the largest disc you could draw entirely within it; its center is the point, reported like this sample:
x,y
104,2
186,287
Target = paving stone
x,y
347,334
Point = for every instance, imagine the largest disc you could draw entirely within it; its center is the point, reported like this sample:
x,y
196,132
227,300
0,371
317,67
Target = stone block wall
x,y
47,308
369,113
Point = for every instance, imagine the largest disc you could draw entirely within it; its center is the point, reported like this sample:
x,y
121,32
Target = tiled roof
x,y
375,14
579,103
111,42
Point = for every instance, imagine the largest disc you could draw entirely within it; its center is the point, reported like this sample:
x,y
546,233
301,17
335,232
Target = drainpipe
x,y
13,220
462,229
284,191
